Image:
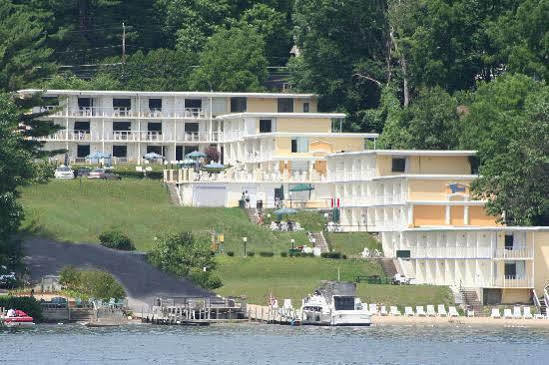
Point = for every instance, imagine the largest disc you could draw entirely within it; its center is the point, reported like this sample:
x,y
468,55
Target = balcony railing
x,y
450,252
183,176
513,282
516,253
100,112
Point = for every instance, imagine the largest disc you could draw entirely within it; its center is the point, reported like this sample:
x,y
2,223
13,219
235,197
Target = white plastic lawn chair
x,y
495,313
507,314
420,312
470,313
383,311
527,313
394,311
517,312
408,311
373,309
431,310
441,310
452,312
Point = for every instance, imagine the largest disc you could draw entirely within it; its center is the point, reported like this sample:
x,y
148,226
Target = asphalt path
x,y
142,281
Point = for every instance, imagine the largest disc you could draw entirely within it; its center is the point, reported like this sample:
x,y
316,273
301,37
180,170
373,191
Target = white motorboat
x,y
335,304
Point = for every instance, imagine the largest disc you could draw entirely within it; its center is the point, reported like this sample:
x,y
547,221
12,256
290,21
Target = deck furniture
x,y
507,314
527,313
408,311
452,312
420,312
470,313
373,309
394,311
495,313
517,313
383,311
441,310
431,310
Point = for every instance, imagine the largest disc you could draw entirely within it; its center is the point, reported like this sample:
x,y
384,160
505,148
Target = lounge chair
x,y
495,313
527,313
373,309
420,312
383,311
442,310
394,311
507,314
517,314
470,313
431,311
408,311
452,312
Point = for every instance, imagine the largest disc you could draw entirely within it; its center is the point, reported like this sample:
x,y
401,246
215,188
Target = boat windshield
x,y
344,303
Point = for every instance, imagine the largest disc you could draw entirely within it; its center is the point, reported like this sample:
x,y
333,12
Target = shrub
x,y
230,253
301,254
116,240
283,254
331,255
344,257
28,305
250,254
205,279
266,254
91,283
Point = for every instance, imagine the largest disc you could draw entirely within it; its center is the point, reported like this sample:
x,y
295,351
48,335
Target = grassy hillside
x,y
352,244
139,207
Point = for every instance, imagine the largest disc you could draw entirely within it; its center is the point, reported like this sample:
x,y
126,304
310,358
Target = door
x,y
179,153
209,196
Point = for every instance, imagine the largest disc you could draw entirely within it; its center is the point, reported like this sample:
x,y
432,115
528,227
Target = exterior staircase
x,y
174,196
470,299
388,266
320,241
252,214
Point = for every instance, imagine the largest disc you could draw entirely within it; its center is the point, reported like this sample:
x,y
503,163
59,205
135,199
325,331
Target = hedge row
x,y
155,175
28,305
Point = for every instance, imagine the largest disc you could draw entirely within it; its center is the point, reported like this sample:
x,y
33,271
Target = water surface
x,y
270,344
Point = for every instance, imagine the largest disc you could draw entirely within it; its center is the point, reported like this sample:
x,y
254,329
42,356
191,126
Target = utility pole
x,y
123,43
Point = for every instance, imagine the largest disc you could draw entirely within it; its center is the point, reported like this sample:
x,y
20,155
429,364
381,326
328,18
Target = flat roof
x,y
312,134
477,228
283,115
196,94
407,153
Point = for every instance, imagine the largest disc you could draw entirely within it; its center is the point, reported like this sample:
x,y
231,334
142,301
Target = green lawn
x,y
352,243
296,277
140,208
285,277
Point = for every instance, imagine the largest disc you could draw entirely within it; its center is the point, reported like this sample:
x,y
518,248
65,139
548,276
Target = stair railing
x,y
536,300
546,297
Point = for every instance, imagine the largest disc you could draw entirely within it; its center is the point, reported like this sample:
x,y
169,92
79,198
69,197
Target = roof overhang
x,y
283,115
430,153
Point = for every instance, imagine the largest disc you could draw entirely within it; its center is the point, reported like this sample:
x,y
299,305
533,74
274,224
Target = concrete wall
x,y
429,215
334,144
478,217
457,165
515,296
262,105
320,125
541,259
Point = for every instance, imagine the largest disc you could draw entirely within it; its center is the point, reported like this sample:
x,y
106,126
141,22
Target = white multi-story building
x,y
420,204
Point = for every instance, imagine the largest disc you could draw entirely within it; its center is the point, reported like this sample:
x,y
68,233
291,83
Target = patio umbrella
x,y
214,165
188,162
152,156
302,187
284,211
95,157
195,154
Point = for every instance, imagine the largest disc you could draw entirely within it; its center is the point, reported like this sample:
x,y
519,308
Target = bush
x,y
250,254
266,254
301,254
91,283
28,305
205,279
283,254
331,255
116,240
230,253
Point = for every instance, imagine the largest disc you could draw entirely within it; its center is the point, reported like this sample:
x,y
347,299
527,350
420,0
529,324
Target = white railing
x,y
513,282
80,135
515,253
108,112
450,252
183,176
125,136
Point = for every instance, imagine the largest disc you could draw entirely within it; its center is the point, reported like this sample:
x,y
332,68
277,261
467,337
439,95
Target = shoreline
x,y
469,321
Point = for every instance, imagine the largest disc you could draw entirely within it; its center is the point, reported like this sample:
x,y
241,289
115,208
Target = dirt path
x,y
142,281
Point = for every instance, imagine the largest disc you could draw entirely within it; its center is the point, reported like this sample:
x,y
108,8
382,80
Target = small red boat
x,y
18,319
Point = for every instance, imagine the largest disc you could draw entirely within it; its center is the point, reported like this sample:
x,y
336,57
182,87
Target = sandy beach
x,y
467,321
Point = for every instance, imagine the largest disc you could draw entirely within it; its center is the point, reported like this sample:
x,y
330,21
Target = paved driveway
x,y
143,282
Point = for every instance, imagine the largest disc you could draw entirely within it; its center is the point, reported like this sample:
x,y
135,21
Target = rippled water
x,y
270,344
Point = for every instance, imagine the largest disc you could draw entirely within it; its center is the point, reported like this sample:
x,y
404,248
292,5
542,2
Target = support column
x,y
411,215
447,215
175,140
466,215
103,134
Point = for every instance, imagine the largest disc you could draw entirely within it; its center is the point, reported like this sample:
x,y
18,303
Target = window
x,y
189,149
50,100
155,149
120,151
238,105
121,126
344,303
265,126
154,127
399,164
300,145
510,270
122,103
305,107
85,103
82,150
155,104
404,254
285,105
191,127
82,126
193,103
509,240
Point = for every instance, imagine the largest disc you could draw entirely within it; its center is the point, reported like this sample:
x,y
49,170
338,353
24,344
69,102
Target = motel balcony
x,y
513,282
124,113
520,253
186,176
450,252
131,136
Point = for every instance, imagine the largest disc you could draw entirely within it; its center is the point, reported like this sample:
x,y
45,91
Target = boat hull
x,y
338,319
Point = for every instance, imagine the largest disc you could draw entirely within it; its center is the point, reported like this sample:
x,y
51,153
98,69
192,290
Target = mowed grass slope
x,y
68,211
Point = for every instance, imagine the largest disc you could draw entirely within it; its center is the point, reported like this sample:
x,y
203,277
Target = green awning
x,y
302,187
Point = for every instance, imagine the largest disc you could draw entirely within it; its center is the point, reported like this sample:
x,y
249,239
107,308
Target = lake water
x,y
270,344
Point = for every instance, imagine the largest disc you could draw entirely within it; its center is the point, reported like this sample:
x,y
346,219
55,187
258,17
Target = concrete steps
x,y
388,266
174,196
320,241
470,299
